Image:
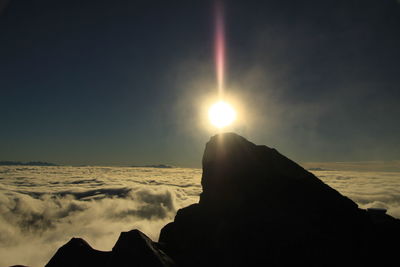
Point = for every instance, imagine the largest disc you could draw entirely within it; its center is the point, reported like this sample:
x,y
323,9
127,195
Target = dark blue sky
x,y
125,82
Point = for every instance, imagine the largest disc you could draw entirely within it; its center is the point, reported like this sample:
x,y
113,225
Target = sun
x,y
221,114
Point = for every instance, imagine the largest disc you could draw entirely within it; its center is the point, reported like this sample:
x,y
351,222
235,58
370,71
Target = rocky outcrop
x,y
77,252
133,248
257,208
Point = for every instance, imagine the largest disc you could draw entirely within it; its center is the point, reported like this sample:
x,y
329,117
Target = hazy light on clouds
x,y
41,208
384,166
367,189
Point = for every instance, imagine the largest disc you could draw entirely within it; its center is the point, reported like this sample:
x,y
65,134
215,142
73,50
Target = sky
x,y
129,82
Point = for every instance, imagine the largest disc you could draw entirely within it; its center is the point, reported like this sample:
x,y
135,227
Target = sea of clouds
x,y
41,208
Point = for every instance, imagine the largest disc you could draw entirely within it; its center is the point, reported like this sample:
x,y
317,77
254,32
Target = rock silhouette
x,y
77,252
133,248
257,208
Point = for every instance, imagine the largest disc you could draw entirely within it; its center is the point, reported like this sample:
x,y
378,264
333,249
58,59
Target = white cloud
x,y
367,189
41,208
370,166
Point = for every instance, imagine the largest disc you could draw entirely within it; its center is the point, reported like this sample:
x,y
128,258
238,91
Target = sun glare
x,y
221,114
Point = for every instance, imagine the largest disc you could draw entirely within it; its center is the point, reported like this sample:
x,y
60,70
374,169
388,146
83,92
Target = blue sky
x,y
128,82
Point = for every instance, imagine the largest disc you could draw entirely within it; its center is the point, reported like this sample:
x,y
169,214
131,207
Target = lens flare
x,y
221,114
219,47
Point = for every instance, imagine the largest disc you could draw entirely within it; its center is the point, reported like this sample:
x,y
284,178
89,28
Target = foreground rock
x,y
258,208
133,248
77,252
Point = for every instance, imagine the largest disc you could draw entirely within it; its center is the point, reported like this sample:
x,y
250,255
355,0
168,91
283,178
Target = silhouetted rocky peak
x,y
260,208
133,248
238,172
77,252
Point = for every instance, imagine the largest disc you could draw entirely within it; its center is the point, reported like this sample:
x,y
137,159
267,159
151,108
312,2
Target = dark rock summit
x,y
77,252
257,208
133,248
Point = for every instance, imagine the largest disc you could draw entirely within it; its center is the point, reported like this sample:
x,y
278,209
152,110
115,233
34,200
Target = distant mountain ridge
x,y
161,166
30,163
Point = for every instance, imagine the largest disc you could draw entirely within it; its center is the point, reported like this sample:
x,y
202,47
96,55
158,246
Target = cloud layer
x,y
367,189
41,208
